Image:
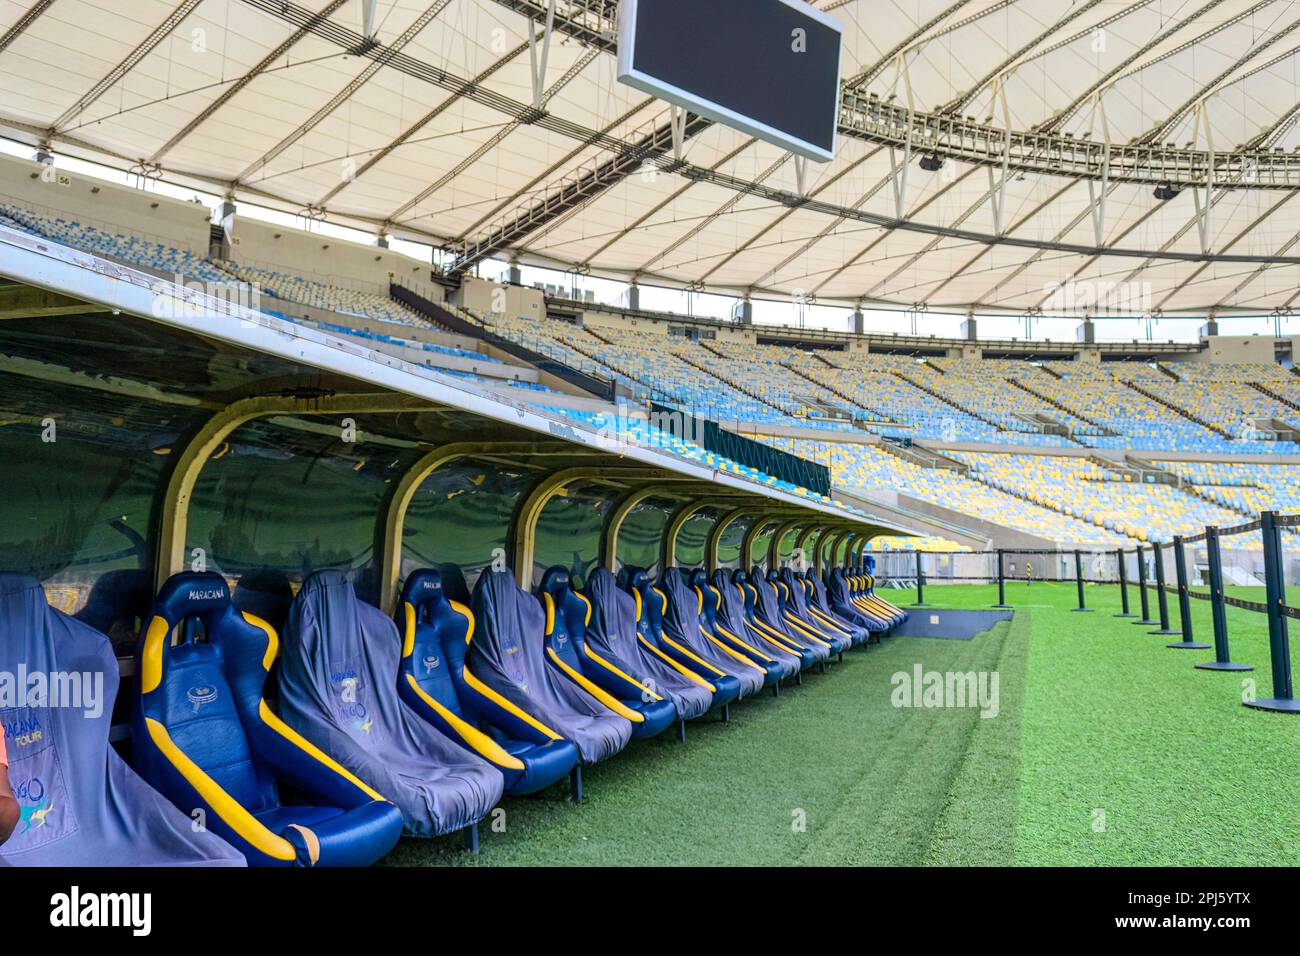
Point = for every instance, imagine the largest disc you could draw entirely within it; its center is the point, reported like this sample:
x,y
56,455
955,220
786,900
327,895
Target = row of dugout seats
x,y
324,748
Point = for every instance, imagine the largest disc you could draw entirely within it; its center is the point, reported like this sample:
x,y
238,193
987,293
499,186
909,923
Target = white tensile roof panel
x,y
412,150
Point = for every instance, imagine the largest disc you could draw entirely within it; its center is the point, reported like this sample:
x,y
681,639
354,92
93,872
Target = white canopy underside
x,y
100,80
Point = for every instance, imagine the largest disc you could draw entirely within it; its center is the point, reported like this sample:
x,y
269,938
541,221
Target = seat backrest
x,y
768,603
435,631
454,584
509,630
682,616
747,592
650,606
798,595
731,603
778,586
205,694
709,599
613,622
567,614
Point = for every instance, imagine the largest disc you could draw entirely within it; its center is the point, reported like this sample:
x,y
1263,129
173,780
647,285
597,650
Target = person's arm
x,y
8,806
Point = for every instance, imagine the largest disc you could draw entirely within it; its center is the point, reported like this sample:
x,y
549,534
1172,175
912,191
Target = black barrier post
x,y
1078,581
1142,588
1184,600
1123,585
1002,581
1162,598
1283,698
920,582
1218,611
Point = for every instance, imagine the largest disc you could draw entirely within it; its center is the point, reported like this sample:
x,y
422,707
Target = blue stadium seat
x,y
863,585
796,602
684,639
432,680
819,602
796,618
713,626
840,593
508,663
568,615
651,604
612,638
769,614
337,688
734,618
204,736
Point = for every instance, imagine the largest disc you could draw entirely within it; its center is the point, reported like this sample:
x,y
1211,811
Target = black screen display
x,y
744,55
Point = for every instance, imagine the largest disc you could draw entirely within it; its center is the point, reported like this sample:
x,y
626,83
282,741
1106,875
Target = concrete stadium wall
x,y
325,259
495,298
1236,349
106,206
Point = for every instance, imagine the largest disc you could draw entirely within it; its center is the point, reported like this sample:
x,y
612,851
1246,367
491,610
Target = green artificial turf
x,y
1108,748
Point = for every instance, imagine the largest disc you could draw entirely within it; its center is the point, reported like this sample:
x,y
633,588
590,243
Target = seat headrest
x,y
699,579
672,576
771,574
871,564
634,578
13,585
738,576
201,594
454,583
324,580
423,589
555,582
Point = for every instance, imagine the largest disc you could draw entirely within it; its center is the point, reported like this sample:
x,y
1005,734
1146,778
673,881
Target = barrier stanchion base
x,y
1284,705
1190,646
1224,666
1166,632
1003,607
1127,615
1144,622
1081,610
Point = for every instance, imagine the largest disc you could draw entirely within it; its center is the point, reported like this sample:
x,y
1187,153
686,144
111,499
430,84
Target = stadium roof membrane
x,y
1055,120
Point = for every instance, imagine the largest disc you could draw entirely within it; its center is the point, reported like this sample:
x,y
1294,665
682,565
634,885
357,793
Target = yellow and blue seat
x,y
508,657
651,605
568,615
434,681
79,803
205,737
713,626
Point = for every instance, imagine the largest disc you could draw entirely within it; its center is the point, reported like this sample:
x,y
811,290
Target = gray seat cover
x,y
81,805
338,688
508,654
612,634
682,624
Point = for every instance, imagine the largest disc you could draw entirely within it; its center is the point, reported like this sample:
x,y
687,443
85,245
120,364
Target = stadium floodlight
x,y
931,163
1165,192
770,68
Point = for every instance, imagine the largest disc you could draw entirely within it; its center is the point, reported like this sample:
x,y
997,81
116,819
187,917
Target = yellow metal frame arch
x,y
174,520
530,509
774,549
715,536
